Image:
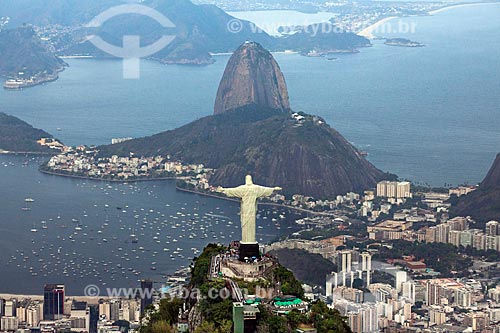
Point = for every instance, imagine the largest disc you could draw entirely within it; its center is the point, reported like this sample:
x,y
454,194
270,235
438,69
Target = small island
x,y
402,42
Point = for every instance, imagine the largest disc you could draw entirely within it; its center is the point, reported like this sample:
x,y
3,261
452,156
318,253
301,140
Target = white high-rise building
x,y
33,315
10,308
9,324
344,261
105,310
492,228
366,261
401,277
408,291
403,190
394,189
437,315
80,317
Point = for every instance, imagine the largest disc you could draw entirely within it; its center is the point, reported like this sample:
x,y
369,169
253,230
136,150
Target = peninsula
x,y
25,60
17,136
254,131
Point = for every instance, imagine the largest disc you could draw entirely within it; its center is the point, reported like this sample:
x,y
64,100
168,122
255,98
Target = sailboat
x,y
135,240
34,229
26,208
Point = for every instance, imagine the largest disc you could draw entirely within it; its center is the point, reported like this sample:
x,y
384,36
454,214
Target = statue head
x,y
248,180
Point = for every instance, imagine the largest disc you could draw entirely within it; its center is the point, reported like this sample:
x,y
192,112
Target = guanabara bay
x,y
230,166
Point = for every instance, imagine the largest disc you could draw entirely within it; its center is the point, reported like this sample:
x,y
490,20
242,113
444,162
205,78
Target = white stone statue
x,y
249,193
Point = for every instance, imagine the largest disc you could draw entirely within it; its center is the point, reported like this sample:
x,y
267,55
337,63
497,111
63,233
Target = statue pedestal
x,y
248,251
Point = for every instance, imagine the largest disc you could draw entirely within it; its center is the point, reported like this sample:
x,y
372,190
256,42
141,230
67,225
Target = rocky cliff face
x,y
492,179
252,77
484,203
253,132
307,156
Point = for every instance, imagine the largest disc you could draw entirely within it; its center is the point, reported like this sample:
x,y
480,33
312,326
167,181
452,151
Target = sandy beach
x,y
368,32
462,5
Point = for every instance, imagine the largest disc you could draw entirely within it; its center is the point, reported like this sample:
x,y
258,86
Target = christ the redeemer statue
x,y
249,194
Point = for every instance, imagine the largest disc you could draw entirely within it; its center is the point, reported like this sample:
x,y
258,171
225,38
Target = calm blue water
x,y
428,114
84,229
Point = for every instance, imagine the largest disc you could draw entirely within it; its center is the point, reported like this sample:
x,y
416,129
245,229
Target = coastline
x,y
440,10
77,57
260,203
40,81
52,173
37,153
31,84
368,32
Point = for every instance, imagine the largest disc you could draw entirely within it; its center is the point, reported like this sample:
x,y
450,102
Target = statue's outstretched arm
x,y
263,191
232,192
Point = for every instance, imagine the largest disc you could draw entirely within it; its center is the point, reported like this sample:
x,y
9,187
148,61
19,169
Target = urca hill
x,y
484,203
254,131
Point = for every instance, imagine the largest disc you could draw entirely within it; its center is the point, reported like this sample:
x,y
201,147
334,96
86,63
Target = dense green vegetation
x,y
163,319
215,313
488,255
442,257
311,159
18,136
354,227
325,320
308,267
199,271
289,284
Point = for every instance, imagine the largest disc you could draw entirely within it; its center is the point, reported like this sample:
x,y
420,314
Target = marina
x,y
81,232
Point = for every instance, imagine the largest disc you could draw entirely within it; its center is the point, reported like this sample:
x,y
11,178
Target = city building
x,y
80,317
394,189
146,294
53,301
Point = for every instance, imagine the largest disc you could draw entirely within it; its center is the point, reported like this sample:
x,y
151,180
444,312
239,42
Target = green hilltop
x,y
208,315
19,136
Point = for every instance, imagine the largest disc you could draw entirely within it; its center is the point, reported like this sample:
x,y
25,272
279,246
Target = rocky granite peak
x,y
492,179
483,203
254,132
252,77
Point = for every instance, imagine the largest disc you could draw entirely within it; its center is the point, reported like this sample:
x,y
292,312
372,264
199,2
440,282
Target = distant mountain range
x,y
484,203
19,136
200,29
298,152
43,12
21,50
